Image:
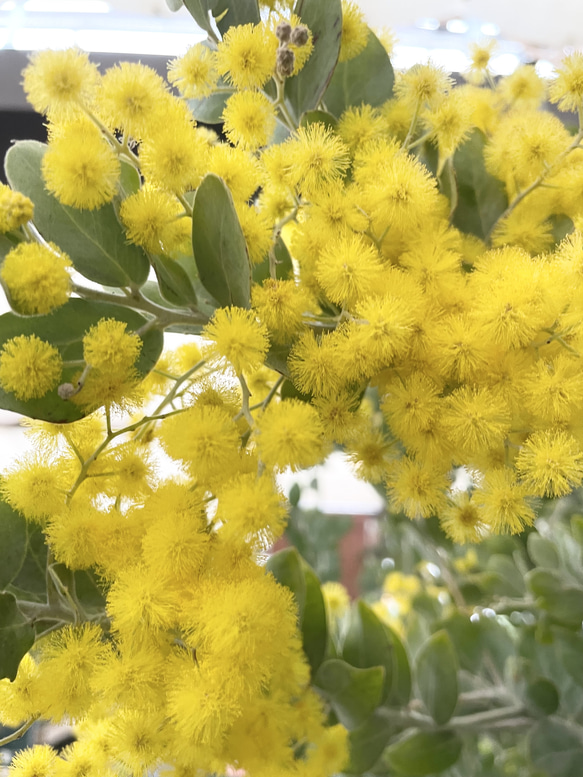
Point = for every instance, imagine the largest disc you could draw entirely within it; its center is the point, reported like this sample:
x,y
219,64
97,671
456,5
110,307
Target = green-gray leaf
x,y
16,636
173,280
94,240
354,694
13,543
237,12
324,19
481,197
368,742
368,78
556,749
424,752
437,676
219,246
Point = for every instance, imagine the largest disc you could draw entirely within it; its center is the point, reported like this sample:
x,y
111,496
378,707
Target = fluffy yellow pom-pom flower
x,y
249,119
60,82
290,434
195,73
29,367
36,277
79,167
108,347
246,55
15,209
238,337
354,32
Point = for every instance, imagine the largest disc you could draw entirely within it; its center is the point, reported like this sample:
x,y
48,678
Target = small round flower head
x,y
336,599
359,125
354,32
318,157
450,123
550,463
150,219
238,169
15,209
280,305
172,156
79,167
249,119
36,486
132,98
290,434
502,501
246,55
567,88
418,489
36,277
423,85
462,520
349,270
29,367
524,88
238,337
480,53
252,509
37,761
60,82
109,348
195,73
314,364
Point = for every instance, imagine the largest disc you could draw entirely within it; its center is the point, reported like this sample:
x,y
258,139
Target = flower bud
x,y
283,31
66,390
285,62
300,35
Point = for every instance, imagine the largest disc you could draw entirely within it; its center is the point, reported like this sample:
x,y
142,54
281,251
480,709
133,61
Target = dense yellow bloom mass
x,y
385,314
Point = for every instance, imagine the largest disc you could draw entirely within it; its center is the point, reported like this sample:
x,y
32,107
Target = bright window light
x,y
490,29
67,6
457,26
405,57
427,23
136,42
504,64
35,38
9,5
3,38
545,69
451,59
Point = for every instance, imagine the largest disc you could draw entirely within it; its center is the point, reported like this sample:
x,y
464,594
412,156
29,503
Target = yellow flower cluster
x,y
466,352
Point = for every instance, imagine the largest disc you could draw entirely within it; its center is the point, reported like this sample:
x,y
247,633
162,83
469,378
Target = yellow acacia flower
x,y
417,489
336,598
476,420
369,451
349,270
152,220
36,277
36,486
280,305
360,125
252,509
238,169
249,118
550,463
205,438
290,434
502,501
567,88
257,230
480,56
524,88
109,348
29,367
238,337
80,167
246,55
132,98
354,32
15,209
195,73
36,761
450,123
462,520
173,155
317,157
19,701
313,363
60,82
423,85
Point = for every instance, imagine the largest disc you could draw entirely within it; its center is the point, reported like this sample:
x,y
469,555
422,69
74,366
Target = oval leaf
x,y
368,742
231,13
173,280
542,552
13,543
424,752
368,78
354,694
16,636
314,623
324,19
556,749
209,110
219,247
286,567
437,676
93,239
64,328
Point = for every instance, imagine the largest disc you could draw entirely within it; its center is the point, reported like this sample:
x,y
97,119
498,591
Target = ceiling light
x,y
67,6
